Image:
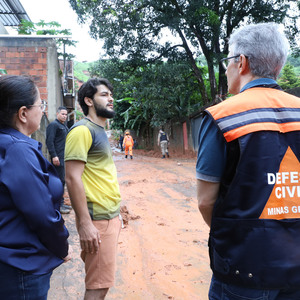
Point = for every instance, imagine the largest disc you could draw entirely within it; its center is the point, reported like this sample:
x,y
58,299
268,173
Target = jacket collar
x,y
261,82
17,134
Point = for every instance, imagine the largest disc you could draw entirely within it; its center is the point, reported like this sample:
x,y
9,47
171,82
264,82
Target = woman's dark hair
x,y
15,92
89,89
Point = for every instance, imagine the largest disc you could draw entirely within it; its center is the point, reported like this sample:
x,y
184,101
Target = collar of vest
x,y
256,109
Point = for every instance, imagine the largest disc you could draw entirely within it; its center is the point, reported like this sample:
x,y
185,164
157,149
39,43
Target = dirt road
x,y
163,248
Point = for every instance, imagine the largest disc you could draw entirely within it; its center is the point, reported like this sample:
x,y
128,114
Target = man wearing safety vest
x,y
128,144
163,141
248,173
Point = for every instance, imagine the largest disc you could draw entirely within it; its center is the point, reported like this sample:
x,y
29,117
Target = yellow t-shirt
x,y
88,142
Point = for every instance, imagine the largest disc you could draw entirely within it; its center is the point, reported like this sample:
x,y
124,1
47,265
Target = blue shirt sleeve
x,y
24,174
211,157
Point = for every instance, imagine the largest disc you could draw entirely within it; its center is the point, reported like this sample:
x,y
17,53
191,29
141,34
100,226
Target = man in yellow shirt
x,y
92,183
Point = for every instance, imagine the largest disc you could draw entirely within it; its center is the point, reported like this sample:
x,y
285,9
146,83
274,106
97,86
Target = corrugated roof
x,y
12,12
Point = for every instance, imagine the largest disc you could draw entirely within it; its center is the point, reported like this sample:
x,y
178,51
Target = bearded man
x,y
93,187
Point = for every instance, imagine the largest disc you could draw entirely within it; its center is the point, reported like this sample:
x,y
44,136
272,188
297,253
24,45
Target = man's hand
x,y
55,161
89,238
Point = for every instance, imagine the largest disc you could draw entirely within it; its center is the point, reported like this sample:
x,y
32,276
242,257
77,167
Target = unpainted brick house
x,y
34,56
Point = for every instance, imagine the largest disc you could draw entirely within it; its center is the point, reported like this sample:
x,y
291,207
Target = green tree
x,y
150,95
50,28
81,70
294,60
148,30
289,79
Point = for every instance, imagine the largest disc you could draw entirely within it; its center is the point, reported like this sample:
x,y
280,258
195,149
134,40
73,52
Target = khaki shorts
x,y
100,267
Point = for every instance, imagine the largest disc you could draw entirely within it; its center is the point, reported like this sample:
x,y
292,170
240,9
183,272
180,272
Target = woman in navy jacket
x,y
33,238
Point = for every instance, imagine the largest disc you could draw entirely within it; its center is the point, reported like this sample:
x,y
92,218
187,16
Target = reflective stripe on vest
x,y
257,109
254,239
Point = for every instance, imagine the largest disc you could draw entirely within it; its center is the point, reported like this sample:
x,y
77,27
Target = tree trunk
x,y
222,88
196,70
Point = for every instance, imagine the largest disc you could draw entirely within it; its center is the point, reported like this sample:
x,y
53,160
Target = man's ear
x,y
88,101
243,64
22,114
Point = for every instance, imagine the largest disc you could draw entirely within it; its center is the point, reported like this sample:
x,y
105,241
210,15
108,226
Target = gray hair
x,y
265,46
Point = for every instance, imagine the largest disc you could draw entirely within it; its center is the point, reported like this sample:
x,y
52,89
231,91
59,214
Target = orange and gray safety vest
x,y
255,230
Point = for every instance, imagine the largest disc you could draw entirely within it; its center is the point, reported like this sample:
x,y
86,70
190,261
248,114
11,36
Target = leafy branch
x,y
49,28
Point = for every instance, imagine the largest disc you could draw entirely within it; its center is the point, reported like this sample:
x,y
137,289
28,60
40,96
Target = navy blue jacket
x,y
56,134
33,237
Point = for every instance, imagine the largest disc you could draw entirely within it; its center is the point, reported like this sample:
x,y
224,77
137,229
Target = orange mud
x,y
163,250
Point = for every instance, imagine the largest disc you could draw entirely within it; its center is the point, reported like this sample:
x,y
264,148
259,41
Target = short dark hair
x,y
15,92
61,108
89,89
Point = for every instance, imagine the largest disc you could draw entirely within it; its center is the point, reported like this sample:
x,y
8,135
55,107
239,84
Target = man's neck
x,y
95,119
247,79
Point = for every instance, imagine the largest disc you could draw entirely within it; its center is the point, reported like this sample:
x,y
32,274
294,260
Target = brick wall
x,y
37,58
30,61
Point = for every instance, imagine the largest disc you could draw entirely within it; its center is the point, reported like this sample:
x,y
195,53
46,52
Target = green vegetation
x,y
50,28
158,93
289,79
163,55
81,70
295,62
147,31
79,115
150,95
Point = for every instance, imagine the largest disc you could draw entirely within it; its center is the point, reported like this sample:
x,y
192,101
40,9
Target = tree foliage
x,y
80,70
289,79
50,28
144,31
150,95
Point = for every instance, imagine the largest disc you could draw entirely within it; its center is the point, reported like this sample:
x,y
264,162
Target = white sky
x,y
87,49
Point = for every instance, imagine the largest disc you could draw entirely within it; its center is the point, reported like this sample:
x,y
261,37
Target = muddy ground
x,y
163,248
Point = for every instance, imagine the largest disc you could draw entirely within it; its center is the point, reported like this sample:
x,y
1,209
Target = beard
x,y
103,112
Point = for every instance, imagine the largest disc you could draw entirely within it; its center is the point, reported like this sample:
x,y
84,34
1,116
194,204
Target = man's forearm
x,y
50,147
88,234
206,213
50,139
76,190
207,193
78,200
